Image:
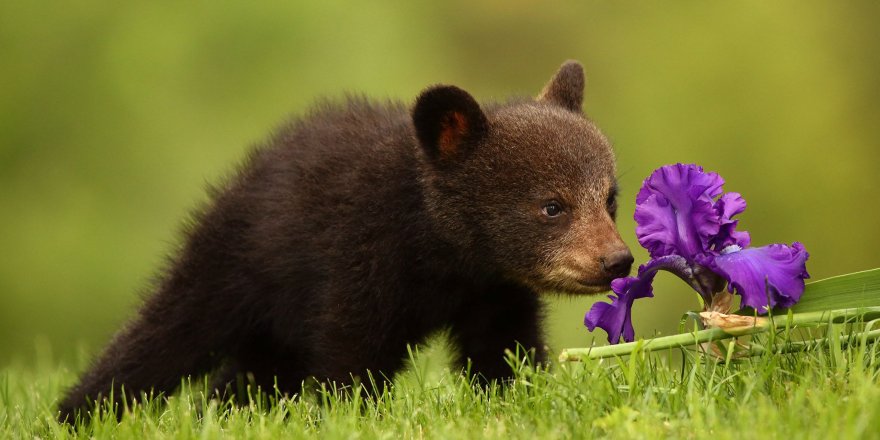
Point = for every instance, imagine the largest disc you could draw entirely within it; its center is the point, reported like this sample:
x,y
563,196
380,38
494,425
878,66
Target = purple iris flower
x,y
687,226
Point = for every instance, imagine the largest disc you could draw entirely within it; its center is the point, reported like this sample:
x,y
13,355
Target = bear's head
x,y
527,187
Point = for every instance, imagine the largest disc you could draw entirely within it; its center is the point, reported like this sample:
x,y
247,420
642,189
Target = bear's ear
x,y
448,121
566,89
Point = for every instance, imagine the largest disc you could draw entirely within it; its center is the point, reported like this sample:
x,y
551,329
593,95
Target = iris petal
x,y
608,317
727,206
615,318
681,178
770,275
675,212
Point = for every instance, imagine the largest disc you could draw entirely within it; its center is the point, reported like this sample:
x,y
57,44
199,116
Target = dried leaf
x,y
733,324
722,302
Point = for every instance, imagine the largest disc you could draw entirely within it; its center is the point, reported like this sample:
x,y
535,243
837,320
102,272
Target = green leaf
x,y
859,289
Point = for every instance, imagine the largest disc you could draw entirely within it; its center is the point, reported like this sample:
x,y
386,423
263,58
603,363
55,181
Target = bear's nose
x,y
617,263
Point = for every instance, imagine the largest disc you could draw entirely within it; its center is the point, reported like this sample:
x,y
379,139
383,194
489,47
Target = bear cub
x,y
366,226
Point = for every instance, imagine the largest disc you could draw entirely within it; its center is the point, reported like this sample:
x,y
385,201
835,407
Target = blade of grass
x,y
799,346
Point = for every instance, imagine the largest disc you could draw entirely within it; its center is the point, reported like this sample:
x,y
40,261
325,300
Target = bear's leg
x,y
259,365
345,357
494,321
177,333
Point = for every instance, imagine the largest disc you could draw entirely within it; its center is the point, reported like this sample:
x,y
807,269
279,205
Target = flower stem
x,y
715,334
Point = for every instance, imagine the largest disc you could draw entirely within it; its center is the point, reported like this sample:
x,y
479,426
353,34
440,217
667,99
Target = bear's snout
x,y
617,264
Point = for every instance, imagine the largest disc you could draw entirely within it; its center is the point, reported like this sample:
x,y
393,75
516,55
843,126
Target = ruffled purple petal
x,y
766,276
615,318
681,176
675,212
727,206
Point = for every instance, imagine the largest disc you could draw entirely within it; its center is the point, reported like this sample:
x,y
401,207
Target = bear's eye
x,y
611,206
611,203
552,209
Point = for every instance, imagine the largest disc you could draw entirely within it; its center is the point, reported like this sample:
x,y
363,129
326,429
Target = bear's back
x,y
334,187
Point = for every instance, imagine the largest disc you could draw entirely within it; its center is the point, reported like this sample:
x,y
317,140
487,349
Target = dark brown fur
x,y
362,228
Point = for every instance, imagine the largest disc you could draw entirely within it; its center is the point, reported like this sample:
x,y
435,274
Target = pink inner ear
x,y
453,129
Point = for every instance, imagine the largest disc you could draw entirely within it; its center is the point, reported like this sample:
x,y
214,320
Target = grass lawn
x,y
825,393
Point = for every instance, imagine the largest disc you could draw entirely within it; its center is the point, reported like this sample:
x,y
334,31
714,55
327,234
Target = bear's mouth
x,y
595,286
577,286
568,280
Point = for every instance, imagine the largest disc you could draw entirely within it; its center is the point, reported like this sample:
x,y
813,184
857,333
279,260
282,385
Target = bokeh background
x,y
114,115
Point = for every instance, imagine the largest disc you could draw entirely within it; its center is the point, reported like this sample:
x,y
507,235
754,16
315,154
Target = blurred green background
x,y
114,115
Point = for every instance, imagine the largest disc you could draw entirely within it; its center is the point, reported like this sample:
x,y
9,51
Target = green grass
x,y
827,393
